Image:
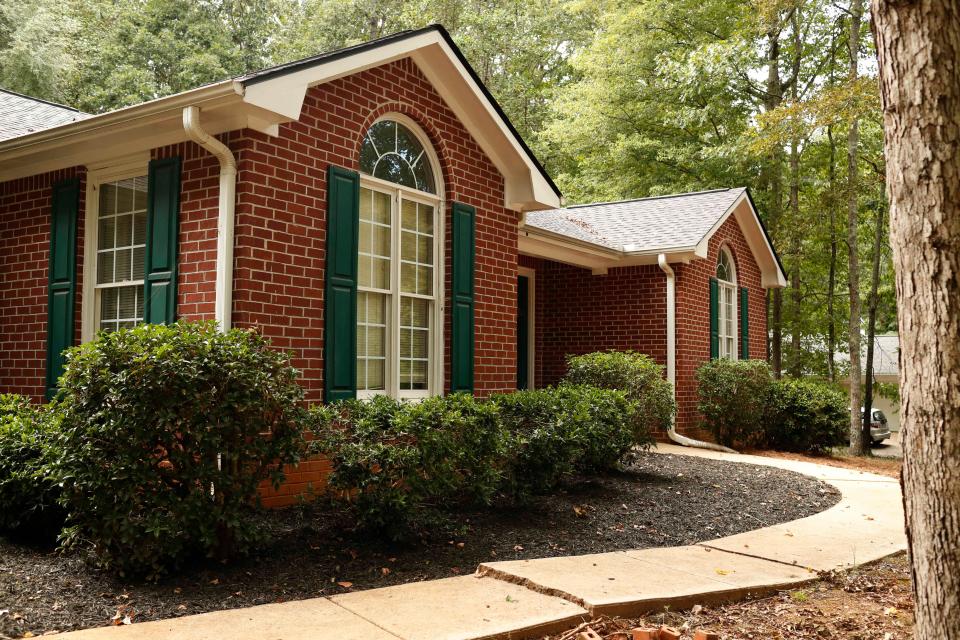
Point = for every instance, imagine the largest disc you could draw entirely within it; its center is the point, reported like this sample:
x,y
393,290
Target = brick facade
x,y
25,211
578,312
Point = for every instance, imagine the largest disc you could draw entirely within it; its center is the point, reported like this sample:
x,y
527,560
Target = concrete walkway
x,y
528,598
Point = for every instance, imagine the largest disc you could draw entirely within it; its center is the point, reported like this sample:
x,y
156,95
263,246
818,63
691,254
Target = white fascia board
x,y
771,277
541,243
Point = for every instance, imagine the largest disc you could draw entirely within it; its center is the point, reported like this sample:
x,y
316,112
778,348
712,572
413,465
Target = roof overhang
x,y
264,100
540,243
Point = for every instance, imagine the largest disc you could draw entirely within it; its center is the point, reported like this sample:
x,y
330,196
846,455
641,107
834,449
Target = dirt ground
x,y
873,464
661,501
872,602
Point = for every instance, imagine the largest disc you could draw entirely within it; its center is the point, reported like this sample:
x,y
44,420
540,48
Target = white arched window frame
x,y
400,297
727,304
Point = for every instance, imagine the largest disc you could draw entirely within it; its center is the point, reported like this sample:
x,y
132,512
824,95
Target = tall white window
x,y
727,304
121,244
398,302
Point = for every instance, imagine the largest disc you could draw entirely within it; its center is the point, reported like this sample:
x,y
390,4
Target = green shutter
x,y
163,212
714,319
744,325
464,255
340,292
62,279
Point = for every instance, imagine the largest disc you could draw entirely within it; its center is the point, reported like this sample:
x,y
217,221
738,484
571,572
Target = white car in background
x,y
879,429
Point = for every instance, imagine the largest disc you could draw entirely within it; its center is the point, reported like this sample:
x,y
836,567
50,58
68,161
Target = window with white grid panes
x,y
121,246
397,301
727,311
374,289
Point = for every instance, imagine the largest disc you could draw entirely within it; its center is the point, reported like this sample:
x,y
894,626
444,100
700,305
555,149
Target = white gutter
x,y
672,358
223,303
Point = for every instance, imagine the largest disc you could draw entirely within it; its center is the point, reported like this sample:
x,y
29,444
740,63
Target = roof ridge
x,y
664,197
49,102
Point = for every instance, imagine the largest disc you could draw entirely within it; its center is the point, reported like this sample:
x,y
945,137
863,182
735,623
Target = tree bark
x,y
832,273
872,327
772,99
796,295
857,445
918,45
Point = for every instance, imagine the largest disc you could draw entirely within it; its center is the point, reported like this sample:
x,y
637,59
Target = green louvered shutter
x,y
62,279
340,292
163,213
714,318
464,255
744,325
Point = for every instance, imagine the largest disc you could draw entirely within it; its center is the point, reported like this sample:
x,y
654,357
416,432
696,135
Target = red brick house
x,y
371,210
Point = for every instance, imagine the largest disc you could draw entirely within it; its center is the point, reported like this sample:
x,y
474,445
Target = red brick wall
x,y
693,316
578,312
25,207
281,217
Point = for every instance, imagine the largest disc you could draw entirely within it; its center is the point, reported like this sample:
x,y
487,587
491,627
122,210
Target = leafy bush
x,y
806,416
638,376
28,498
556,431
733,397
396,462
166,433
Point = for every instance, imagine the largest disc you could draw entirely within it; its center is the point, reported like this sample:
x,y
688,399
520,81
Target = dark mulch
x,y
661,501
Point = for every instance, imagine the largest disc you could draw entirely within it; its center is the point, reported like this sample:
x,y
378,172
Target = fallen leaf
x,y
385,570
345,585
722,572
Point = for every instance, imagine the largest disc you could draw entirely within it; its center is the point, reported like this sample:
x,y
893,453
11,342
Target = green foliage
x,y
166,432
806,416
560,430
733,398
638,376
27,496
396,462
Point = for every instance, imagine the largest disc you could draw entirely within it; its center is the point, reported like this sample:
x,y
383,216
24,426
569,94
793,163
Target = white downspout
x,y
223,302
672,358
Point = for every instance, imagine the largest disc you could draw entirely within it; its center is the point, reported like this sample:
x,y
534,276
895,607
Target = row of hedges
x,y
742,405
154,448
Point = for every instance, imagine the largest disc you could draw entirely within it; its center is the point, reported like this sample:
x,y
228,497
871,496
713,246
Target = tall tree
x,y
918,44
858,446
872,305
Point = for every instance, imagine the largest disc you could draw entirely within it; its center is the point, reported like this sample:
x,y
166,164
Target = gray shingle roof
x,y
20,115
647,224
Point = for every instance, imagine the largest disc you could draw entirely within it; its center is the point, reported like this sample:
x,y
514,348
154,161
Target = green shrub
x,y
556,431
638,376
397,462
166,433
806,416
733,397
28,498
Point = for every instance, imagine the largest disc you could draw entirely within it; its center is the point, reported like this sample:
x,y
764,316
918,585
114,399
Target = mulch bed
x,y
660,501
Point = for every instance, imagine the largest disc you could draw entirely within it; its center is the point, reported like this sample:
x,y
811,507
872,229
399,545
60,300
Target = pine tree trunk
x,y
774,96
857,445
918,44
796,295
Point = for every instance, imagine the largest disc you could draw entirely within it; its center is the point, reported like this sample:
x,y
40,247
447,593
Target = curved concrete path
x,y
527,598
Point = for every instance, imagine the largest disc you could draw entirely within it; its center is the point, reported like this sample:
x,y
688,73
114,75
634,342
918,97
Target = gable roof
x,y
264,99
645,224
21,115
628,232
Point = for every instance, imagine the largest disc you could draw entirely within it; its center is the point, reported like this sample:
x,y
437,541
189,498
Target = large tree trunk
x,y
857,445
872,325
919,45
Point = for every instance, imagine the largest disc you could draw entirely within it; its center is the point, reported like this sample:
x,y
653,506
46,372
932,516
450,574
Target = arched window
x,y
727,304
399,331
392,152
